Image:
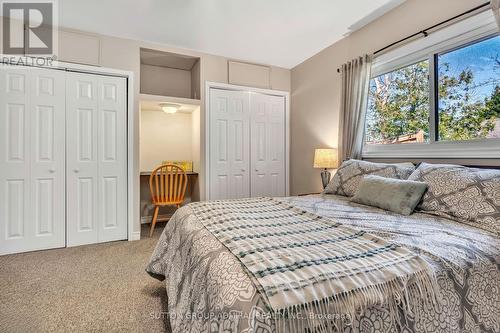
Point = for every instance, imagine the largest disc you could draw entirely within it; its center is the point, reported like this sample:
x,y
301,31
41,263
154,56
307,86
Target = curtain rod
x,y
425,32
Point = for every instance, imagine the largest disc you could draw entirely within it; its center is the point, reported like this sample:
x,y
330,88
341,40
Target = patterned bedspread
x,y
209,291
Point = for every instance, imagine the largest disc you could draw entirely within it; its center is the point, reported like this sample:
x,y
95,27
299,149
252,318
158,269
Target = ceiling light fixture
x,y
170,108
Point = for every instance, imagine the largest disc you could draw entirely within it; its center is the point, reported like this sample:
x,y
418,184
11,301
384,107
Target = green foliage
x,y
399,103
462,117
493,104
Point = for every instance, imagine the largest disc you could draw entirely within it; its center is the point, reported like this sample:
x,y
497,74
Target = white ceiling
x,y
275,32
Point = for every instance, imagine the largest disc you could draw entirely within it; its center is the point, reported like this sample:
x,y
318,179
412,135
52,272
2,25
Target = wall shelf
x,y
168,99
169,74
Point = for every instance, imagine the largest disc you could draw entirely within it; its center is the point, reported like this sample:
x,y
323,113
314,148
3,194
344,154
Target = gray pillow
x,y
464,194
349,175
399,196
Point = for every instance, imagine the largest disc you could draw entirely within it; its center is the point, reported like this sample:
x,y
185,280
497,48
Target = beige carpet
x,y
99,288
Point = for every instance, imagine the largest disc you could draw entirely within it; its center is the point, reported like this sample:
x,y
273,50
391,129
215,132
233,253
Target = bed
x,y
211,289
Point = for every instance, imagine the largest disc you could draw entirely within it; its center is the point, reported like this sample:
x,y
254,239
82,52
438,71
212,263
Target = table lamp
x,y
325,159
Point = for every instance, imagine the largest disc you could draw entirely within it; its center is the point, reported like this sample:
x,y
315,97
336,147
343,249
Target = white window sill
x,y
467,150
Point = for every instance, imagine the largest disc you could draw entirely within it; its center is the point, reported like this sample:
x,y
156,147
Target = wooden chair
x,y
167,184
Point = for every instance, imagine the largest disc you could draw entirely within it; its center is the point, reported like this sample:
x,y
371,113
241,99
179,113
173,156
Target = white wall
x,y
315,98
196,139
165,137
196,149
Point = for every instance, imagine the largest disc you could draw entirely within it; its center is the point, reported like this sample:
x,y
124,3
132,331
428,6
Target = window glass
x,y
469,92
398,106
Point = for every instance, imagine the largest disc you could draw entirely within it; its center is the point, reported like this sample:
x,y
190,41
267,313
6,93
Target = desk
x,y
148,173
147,207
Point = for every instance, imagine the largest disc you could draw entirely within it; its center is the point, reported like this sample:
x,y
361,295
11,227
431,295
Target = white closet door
x,y
81,163
48,181
16,230
267,145
112,159
31,159
229,144
96,159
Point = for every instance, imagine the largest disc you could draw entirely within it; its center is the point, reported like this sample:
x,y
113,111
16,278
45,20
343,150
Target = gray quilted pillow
x,y
396,195
348,177
464,194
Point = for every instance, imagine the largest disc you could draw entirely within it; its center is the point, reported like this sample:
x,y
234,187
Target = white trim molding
x,y
209,85
476,149
135,236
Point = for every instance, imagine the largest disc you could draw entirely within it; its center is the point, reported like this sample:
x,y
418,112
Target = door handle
x,y
243,170
76,170
52,170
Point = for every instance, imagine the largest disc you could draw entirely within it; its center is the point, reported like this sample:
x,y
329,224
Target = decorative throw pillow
x,y
396,195
465,194
349,175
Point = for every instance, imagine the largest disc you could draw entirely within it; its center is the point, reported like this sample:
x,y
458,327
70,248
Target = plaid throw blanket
x,y
309,265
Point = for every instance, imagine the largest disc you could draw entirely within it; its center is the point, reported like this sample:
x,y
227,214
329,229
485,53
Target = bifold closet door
x,y
229,144
247,144
32,159
96,159
267,137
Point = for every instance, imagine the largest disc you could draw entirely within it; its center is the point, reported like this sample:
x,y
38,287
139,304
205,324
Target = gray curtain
x,y
354,100
495,6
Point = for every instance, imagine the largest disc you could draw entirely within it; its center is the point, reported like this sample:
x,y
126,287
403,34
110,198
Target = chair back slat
x,y
167,184
160,194
157,184
174,188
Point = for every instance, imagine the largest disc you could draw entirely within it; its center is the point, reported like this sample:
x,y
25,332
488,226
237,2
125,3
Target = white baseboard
x,y
136,235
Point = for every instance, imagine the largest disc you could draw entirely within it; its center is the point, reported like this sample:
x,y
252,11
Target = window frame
x,y
468,32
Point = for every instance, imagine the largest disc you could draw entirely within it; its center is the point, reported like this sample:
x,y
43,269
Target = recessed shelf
x,y
169,74
168,99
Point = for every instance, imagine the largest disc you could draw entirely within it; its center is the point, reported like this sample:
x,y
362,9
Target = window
x,y
398,106
469,92
438,96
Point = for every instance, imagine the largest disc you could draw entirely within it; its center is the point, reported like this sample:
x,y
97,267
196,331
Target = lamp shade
x,y
325,159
